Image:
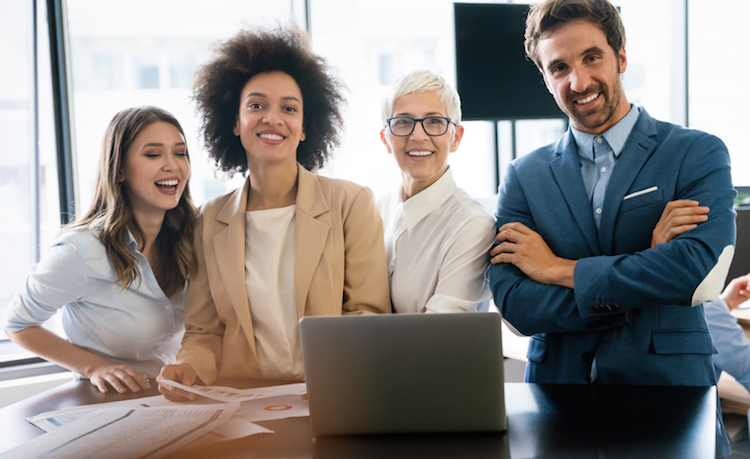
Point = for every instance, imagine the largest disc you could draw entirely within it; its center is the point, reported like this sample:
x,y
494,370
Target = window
x,y
28,171
146,72
655,74
718,101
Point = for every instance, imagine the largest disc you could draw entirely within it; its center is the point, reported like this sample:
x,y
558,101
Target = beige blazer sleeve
x,y
340,265
366,275
219,339
204,330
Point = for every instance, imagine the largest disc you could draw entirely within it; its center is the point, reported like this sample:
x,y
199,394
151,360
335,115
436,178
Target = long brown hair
x,y
111,212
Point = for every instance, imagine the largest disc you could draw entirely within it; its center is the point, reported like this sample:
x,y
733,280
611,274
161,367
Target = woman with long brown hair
x,y
119,272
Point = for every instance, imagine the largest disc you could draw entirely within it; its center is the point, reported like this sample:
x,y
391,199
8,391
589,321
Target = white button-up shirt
x,y
139,326
437,246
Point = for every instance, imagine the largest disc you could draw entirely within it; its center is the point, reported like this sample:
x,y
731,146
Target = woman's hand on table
x,y
120,377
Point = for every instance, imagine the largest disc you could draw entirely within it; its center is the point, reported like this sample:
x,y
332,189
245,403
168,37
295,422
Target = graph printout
x,y
230,394
127,432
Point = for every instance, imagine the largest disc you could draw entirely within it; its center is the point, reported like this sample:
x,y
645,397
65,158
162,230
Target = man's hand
x,y
737,292
526,250
678,217
682,216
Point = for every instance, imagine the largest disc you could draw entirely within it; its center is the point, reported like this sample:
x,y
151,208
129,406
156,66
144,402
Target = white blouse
x,y
437,245
269,277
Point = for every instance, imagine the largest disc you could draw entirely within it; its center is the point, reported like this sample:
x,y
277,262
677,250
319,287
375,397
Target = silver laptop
x,y
399,373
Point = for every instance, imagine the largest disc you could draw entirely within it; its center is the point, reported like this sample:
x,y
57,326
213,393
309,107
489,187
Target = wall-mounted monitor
x,y
493,76
741,261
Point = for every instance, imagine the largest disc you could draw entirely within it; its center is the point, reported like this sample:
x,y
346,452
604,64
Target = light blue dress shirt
x,y
731,342
598,154
139,326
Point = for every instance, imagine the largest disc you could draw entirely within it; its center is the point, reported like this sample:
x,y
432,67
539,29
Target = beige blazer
x,y
339,268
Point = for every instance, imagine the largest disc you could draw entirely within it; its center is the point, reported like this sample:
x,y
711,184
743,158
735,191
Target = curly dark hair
x,y
219,84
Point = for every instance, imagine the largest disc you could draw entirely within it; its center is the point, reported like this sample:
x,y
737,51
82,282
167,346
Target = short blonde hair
x,y
422,81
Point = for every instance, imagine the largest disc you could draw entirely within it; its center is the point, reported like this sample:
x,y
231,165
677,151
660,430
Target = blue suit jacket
x,y
630,311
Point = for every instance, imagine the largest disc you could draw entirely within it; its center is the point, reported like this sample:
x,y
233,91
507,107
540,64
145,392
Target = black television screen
x,y
493,76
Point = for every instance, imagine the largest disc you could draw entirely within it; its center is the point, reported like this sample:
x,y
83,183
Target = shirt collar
x,y
129,238
130,242
423,203
616,136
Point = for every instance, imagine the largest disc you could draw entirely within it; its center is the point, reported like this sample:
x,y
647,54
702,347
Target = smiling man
x,y
574,265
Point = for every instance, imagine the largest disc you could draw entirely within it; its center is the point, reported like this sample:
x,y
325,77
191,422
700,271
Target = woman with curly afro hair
x,y
289,243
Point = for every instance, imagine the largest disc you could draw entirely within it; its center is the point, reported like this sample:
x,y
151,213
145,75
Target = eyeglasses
x,y
402,126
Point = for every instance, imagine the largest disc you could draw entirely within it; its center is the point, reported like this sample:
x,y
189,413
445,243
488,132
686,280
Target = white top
x,y
269,276
139,326
437,245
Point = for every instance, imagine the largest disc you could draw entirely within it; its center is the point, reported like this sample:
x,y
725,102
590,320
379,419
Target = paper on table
x,y
127,432
237,427
268,409
230,430
51,420
264,407
230,394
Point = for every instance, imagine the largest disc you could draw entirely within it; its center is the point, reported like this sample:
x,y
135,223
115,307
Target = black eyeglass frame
x,y
414,125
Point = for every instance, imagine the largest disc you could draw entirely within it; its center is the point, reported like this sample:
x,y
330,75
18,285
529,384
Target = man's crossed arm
x,y
526,249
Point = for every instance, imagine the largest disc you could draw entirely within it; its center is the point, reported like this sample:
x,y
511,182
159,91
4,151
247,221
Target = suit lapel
x,y
638,149
229,247
313,230
567,173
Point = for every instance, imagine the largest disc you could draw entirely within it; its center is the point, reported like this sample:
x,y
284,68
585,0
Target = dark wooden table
x,y
556,421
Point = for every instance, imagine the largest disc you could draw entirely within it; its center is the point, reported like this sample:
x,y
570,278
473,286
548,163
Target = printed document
x,y
127,432
230,394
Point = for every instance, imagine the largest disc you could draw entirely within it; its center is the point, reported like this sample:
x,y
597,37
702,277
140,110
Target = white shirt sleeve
x,y
461,282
